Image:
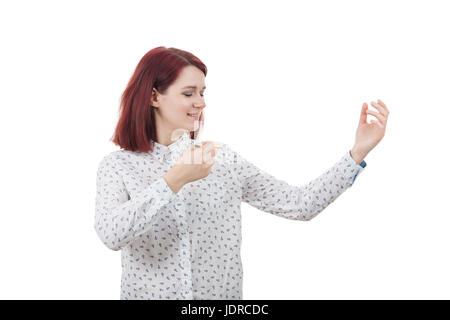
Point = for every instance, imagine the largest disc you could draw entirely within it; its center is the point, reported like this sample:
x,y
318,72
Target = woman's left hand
x,y
368,135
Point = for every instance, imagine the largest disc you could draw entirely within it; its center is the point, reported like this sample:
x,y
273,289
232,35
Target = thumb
x,y
208,146
204,143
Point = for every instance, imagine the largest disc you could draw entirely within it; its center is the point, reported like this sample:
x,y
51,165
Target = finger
x,y
209,151
383,105
198,155
363,116
379,108
195,155
208,157
202,120
380,117
186,156
198,126
207,145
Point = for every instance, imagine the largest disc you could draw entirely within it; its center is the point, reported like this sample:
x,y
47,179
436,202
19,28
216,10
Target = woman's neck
x,y
167,137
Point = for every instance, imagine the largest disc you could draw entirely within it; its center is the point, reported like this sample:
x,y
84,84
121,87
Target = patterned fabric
x,y
187,245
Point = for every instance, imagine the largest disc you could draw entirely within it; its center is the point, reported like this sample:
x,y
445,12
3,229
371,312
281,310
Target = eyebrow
x,y
192,87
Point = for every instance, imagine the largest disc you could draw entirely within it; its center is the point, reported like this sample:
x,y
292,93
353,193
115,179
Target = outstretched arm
x,y
272,195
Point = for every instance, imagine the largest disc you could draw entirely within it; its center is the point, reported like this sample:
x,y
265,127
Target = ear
x,y
155,98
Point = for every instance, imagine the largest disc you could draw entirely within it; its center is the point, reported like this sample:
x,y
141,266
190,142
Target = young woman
x,y
173,208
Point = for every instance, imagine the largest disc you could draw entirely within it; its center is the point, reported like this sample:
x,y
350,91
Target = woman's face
x,y
183,97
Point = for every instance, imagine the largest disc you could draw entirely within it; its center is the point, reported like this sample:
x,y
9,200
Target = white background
x,y
285,86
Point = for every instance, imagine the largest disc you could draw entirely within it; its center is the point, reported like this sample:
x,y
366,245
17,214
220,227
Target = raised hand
x,y
368,135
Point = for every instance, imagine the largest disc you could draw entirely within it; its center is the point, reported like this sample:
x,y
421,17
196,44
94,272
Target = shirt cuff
x,y
360,166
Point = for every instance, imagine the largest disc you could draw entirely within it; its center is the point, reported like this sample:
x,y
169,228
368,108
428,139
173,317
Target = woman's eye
x,y
190,94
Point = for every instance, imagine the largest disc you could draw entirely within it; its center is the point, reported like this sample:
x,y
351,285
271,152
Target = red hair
x,y
158,68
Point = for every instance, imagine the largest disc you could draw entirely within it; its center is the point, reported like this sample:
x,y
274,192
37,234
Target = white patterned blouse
x,y
186,245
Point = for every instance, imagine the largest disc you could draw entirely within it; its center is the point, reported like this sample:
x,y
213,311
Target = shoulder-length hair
x,y
158,68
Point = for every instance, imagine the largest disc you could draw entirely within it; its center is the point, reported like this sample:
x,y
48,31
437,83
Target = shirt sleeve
x,y
120,219
361,166
267,193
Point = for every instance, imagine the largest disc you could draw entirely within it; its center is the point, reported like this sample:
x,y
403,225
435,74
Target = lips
x,y
194,115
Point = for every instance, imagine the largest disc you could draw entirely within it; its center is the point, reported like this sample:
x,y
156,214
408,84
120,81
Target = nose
x,y
199,103
200,106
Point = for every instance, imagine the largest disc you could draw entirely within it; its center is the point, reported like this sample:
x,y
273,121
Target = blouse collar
x,y
171,152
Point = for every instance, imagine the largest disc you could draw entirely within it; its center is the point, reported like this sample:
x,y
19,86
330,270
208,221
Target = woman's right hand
x,y
194,163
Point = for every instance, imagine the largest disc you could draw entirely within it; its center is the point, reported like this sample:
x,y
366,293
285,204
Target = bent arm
x,y
119,220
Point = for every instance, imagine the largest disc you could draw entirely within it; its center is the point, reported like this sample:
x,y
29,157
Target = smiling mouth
x,y
194,115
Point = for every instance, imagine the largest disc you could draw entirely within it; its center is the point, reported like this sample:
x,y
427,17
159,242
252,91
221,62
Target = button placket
x,y
184,247
166,157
